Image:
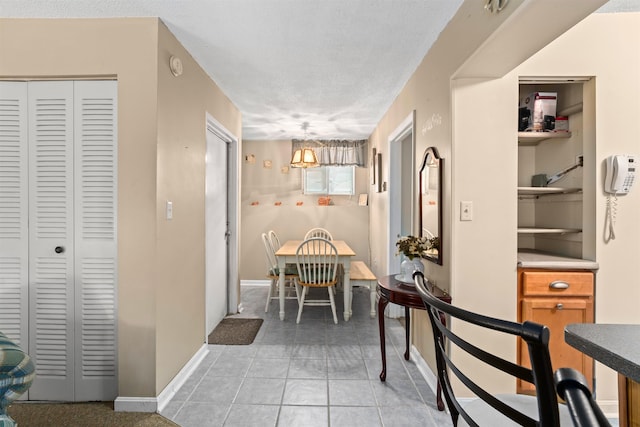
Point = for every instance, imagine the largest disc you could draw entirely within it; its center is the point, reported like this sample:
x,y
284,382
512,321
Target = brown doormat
x,y
232,331
28,414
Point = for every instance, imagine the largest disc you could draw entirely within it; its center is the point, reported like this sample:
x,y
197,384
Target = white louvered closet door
x,y
14,237
69,173
51,284
95,175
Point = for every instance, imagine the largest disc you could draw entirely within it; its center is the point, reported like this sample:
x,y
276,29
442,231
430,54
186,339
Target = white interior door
x,y
217,226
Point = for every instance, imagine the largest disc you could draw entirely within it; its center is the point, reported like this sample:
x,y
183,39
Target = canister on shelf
x,y
562,123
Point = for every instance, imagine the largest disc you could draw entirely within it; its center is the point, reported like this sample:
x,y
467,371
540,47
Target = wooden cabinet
x,y
555,299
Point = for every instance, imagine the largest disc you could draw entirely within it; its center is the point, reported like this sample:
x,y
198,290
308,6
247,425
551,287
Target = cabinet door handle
x,y
559,306
559,284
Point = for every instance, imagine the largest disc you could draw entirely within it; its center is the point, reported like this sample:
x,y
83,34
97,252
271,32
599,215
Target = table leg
x,y
281,266
407,331
382,303
347,288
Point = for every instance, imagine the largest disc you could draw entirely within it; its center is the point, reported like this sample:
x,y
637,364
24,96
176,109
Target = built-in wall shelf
x,y
540,230
535,138
543,191
571,109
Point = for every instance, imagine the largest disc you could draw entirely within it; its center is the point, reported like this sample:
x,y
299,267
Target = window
x,y
330,180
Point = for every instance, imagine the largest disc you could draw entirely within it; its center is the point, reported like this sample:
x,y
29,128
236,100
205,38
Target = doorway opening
x,y
401,194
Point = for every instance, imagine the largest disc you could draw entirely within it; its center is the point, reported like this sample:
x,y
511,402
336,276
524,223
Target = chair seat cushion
x,y
485,415
320,275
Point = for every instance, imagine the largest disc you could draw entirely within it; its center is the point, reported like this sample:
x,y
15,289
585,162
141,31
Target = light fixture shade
x,y
304,158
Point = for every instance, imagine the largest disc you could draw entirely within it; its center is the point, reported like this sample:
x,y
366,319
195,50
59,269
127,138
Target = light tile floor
x,y
315,373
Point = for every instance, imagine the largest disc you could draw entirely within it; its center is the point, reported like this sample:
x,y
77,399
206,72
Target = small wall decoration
x,y
284,169
278,203
266,164
250,158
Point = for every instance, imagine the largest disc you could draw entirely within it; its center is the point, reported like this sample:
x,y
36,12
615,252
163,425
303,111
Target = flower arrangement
x,y
413,247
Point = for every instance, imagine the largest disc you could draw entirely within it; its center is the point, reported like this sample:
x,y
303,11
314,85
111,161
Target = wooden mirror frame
x,y
431,156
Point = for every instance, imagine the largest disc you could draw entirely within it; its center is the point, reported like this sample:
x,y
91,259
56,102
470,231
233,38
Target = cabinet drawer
x,y
541,283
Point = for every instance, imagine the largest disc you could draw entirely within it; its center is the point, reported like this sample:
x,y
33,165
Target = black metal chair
x,y
572,387
489,409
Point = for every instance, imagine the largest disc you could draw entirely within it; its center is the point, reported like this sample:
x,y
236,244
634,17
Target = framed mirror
x,y
430,203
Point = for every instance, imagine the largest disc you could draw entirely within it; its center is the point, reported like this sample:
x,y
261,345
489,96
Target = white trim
x,y
255,283
404,129
135,404
157,404
425,370
609,408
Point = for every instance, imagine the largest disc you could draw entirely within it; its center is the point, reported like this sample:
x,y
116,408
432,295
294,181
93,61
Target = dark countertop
x,y
614,345
528,258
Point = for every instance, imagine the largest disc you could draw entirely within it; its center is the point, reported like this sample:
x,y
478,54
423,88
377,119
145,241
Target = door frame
x,y
396,166
233,213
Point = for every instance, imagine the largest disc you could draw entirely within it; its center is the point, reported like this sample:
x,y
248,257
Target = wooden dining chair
x,y
273,273
274,240
317,261
487,408
318,232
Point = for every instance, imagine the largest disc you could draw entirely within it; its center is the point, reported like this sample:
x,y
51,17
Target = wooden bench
x,y
361,275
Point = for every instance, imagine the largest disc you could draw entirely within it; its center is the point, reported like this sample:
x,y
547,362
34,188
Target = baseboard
x,y
135,404
255,283
609,408
157,404
425,370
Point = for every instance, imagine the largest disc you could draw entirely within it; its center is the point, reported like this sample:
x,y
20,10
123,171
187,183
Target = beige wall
x,y
183,103
344,219
485,279
161,291
467,109
606,46
428,92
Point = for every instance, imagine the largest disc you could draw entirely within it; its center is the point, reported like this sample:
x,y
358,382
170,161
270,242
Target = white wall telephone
x,y
619,177
621,173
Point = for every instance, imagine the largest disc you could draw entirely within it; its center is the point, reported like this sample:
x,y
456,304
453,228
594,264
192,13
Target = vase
x,y
407,268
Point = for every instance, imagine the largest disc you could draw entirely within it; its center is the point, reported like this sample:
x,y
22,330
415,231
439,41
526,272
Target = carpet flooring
x,y
28,414
235,331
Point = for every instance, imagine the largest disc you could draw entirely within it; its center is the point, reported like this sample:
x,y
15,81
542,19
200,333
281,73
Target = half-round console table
x,y
405,294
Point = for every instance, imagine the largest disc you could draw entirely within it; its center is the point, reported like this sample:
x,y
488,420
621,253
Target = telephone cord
x,y
610,217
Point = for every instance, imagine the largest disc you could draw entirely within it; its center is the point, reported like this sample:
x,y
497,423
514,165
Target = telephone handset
x,y
620,174
619,177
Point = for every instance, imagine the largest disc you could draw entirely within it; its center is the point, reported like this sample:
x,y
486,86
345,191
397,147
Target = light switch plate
x,y
169,210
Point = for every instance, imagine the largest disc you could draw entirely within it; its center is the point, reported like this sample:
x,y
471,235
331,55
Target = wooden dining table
x,y
287,255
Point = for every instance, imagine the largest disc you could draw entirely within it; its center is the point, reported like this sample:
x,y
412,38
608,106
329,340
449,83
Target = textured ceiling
x,y
335,64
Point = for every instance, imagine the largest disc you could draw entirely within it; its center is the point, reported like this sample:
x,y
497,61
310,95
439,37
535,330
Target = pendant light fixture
x,y
304,157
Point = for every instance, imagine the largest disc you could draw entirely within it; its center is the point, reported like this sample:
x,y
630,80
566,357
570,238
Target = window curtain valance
x,y
334,152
